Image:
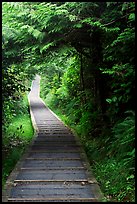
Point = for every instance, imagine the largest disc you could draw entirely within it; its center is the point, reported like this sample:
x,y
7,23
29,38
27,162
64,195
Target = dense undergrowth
x,y
16,134
110,150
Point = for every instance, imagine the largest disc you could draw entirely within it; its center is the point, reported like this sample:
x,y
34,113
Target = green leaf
x,y
25,26
109,100
47,46
30,29
78,25
114,99
130,177
36,33
132,17
131,153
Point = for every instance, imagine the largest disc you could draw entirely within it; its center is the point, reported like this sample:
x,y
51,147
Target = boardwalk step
x,y
52,168
53,191
52,175
51,163
57,148
53,199
55,144
41,132
57,155
45,181
55,139
55,151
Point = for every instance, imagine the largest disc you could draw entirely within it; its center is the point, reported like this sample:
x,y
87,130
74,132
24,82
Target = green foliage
x,y
85,54
113,159
122,87
124,139
16,127
16,135
118,187
10,161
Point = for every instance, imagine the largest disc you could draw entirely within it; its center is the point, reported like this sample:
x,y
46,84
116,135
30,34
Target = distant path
x,y
54,167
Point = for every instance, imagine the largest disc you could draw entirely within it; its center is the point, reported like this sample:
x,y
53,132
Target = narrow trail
x,y
55,167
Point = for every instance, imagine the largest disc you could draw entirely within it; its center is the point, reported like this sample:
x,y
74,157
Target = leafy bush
x,y
116,171
115,180
124,137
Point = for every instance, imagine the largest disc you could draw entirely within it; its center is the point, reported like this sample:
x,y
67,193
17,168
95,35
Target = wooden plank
x,y
54,198
59,168
30,158
79,180
53,151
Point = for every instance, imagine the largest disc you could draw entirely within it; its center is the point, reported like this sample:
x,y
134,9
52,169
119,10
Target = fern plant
x,y
124,137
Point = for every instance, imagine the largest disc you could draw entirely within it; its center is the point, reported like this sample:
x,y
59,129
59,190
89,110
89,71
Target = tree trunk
x,y
81,74
82,84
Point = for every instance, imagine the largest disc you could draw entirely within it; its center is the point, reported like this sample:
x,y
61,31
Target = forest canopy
x,y
85,53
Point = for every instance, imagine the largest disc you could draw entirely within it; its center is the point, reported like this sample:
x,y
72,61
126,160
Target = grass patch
x,y
10,161
21,127
16,137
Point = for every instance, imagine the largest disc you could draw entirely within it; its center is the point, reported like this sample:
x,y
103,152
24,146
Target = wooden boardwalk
x,y
55,167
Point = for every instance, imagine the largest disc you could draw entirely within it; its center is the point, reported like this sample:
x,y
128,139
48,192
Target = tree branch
x,y
116,20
